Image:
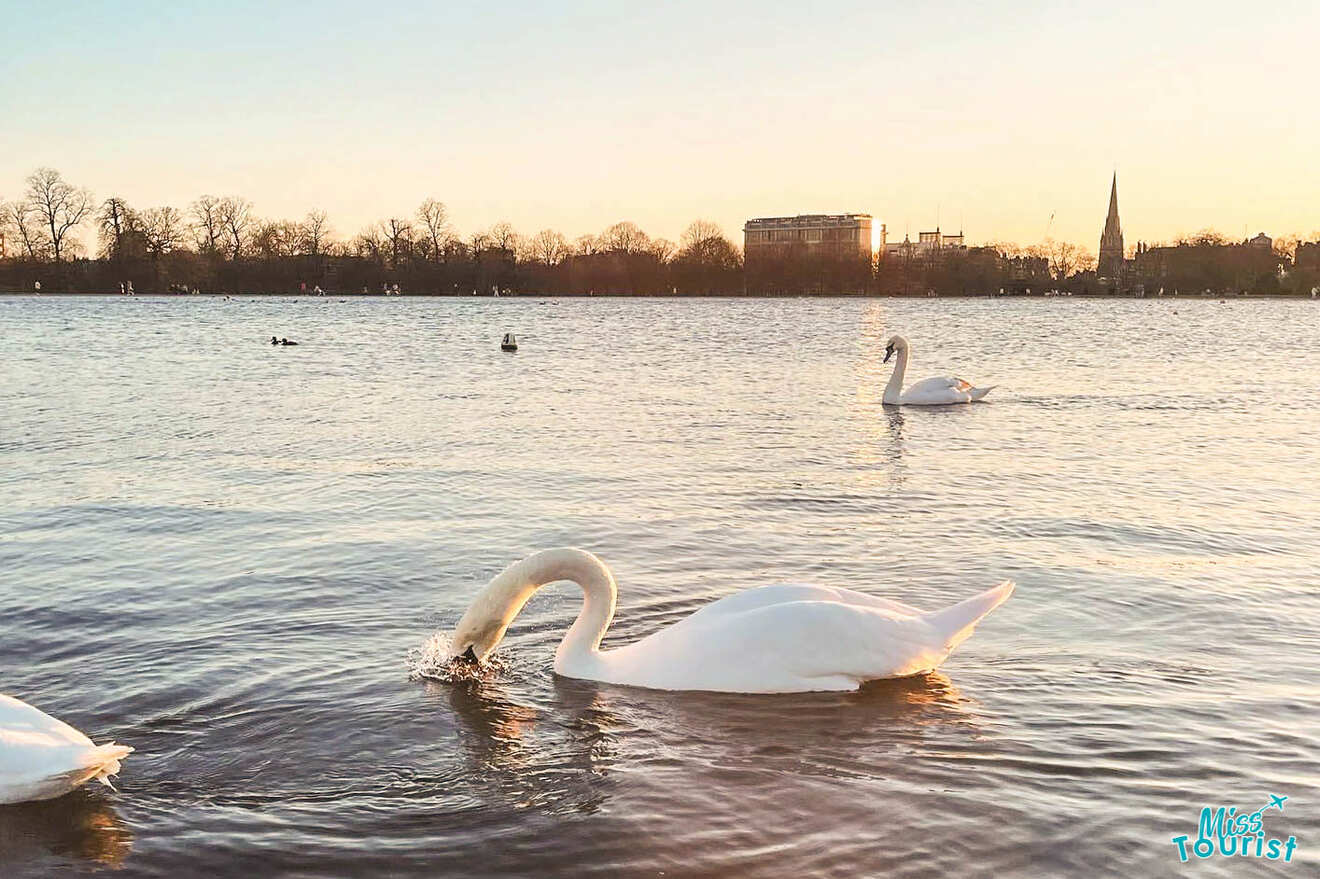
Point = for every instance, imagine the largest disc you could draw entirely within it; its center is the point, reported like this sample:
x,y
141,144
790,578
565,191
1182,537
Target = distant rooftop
x,y
806,220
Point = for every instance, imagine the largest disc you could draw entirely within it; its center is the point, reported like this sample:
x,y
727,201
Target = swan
x,y
929,392
791,638
42,758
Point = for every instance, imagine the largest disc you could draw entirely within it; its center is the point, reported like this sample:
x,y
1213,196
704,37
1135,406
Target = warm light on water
x,y
242,561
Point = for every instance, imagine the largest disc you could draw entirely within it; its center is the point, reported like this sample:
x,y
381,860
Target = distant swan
x,y
772,639
42,758
928,392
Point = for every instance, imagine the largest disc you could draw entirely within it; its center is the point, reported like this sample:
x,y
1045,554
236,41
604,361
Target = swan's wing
x,y
791,646
938,390
20,720
942,383
779,593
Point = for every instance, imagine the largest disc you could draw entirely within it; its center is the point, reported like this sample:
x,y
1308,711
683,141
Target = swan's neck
x,y
579,652
894,390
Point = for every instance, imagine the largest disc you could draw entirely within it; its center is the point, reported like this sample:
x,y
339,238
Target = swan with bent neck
x,y
789,638
928,392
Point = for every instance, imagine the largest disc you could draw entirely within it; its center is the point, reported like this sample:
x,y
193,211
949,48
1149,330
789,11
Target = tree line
x,y
220,244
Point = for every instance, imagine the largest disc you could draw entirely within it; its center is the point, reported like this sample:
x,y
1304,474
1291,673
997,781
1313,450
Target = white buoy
x,y
508,343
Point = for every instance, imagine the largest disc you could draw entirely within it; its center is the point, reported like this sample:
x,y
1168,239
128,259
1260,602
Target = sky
x,y
1003,118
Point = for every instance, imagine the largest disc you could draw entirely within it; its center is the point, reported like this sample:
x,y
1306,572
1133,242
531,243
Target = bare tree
x,y
314,233
208,226
697,232
370,243
21,217
1204,238
662,249
276,239
162,230
435,219
1065,258
703,244
547,247
399,233
60,206
236,220
624,238
502,237
586,245
1285,246
115,222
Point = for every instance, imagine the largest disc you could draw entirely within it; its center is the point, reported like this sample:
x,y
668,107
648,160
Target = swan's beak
x,y
889,352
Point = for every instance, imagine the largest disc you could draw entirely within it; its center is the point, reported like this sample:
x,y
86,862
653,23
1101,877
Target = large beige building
x,y
838,235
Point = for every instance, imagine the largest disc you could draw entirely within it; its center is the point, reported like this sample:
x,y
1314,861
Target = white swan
x,y
773,639
42,758
928,392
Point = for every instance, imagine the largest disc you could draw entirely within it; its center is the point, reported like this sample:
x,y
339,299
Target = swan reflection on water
x,y
557,750
555,757
82,825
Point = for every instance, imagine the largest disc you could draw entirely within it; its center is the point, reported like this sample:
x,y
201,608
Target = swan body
x,y
928,392
42,758
787,638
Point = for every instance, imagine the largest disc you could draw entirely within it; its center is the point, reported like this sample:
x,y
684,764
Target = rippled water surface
x,y
224,553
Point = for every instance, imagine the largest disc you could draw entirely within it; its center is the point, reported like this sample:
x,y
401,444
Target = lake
x,y
229,555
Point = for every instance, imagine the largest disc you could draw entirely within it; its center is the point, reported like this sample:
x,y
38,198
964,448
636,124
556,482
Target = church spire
x,y
1111,223
1110,264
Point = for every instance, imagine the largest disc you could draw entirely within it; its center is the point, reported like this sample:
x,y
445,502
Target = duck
x,y
287,342
928,392
783,638
42,758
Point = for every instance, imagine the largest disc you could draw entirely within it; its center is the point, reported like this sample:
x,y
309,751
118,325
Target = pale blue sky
x,y
577,115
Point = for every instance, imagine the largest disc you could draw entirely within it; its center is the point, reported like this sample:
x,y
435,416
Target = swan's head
x,y
895,344
481,629
488,617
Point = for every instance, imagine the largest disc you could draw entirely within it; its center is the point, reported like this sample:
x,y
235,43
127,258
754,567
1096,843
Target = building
x,y
826,235
1307,258
1198,266
1110,265
928,244
1261,242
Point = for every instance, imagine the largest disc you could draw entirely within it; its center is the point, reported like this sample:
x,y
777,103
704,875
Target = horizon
x,y
578,119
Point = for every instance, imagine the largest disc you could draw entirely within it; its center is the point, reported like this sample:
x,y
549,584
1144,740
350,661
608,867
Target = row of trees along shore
x,y
220,244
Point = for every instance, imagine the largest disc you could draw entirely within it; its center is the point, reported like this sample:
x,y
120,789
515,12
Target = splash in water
x,y
434,661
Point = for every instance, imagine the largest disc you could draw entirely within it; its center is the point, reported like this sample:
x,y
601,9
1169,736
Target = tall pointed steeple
x,y
1110,264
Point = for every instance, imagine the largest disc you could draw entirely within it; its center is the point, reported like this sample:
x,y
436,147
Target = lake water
x,y
225,554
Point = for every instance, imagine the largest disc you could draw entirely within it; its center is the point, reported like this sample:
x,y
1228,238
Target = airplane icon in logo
x,y
1275,800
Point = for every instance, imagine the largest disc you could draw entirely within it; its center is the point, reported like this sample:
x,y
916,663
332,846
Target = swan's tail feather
x,y
979,393
956,623
105,760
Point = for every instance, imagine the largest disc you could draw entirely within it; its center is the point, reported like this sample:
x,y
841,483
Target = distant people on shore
x,y
36,287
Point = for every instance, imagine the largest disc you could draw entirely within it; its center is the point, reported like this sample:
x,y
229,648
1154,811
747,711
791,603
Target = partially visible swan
x,y
929,392
772,639
42,758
